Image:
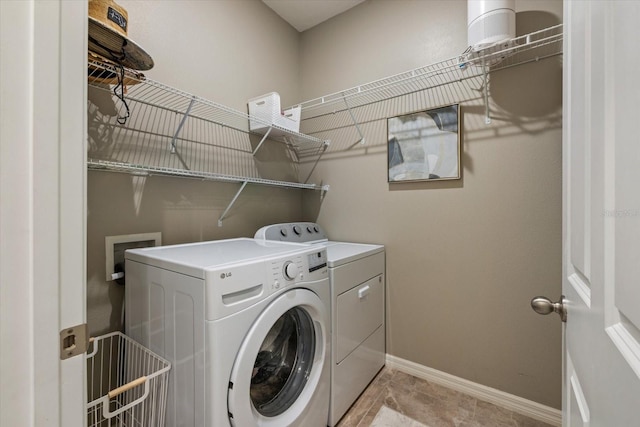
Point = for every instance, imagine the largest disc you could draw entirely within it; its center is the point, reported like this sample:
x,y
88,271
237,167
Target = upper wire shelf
x,y
471,64
155,129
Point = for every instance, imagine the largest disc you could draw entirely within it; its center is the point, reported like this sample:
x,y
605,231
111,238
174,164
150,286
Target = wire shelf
x,y
160,171
143,127
531,47
170,132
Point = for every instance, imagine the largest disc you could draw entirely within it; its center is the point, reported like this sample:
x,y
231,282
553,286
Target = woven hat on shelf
x,y
108,25
101,71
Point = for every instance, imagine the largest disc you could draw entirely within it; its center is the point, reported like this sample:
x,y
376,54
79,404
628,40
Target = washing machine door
x,y
280,363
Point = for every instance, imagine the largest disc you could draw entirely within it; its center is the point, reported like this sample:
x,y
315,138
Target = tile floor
x,y
429,404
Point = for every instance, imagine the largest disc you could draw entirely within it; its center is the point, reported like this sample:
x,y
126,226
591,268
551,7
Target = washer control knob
x,y
297,230
309,230
290,270
283,232
315,228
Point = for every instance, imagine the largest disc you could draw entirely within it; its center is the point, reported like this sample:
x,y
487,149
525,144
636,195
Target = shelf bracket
x,y
323,191
182,122
325,145
224,214
353,118
264,138
487,108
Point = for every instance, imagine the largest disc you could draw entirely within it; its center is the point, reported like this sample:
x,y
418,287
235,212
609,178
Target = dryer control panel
x,y
297,232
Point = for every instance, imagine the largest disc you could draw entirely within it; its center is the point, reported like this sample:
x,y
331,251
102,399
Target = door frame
x,y
42,209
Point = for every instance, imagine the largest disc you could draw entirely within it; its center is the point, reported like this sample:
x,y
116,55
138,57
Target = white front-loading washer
x,y
245,324
357,276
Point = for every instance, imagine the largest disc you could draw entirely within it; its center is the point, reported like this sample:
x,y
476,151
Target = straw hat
x,y
101,71
108,23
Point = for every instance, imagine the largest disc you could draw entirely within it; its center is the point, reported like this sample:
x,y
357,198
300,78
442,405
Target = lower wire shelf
x,y
140,170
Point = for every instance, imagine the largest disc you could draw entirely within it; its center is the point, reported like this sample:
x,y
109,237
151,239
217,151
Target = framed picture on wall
x,y
425,145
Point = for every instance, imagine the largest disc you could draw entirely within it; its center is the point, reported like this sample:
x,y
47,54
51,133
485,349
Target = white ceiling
x,y
304,14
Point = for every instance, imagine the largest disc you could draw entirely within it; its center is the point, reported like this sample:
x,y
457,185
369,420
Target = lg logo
x,y
224,275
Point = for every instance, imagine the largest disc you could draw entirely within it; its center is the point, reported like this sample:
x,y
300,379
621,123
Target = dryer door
x,y
280,363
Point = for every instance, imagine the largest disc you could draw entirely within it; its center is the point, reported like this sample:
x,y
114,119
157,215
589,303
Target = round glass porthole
x,y
283,363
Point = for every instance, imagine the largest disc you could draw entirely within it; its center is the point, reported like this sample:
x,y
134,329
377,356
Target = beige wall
x,y
465,257
224,51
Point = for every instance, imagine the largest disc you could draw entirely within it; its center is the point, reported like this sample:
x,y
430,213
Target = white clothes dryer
x,y
245,325
357,275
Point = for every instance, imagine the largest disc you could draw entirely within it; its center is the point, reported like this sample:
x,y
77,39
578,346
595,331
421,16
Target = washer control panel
x,y
290,270
306,267
297,232
317,260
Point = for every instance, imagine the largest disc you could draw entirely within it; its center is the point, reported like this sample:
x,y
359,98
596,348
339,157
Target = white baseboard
x,y
500,398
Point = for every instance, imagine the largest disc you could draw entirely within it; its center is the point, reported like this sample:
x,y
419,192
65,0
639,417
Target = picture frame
x,y
424,145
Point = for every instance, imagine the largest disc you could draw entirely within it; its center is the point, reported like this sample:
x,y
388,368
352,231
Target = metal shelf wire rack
x,y
127,384
152,129
531,47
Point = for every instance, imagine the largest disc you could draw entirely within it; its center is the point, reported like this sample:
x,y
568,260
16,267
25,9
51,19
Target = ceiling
x,y
304,14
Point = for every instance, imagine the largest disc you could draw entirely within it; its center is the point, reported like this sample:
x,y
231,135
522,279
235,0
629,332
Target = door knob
x,y
543,305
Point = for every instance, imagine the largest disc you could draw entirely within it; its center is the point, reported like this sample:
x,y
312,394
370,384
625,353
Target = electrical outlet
x,y
116,245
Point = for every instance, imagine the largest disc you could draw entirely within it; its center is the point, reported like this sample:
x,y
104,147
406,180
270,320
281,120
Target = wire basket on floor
x,y
127,383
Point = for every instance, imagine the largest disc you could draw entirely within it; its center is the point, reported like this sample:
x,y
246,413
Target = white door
x,y
601,238
42,210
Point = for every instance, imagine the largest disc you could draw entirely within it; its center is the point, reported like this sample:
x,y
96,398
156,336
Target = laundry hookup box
x,y
266,108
